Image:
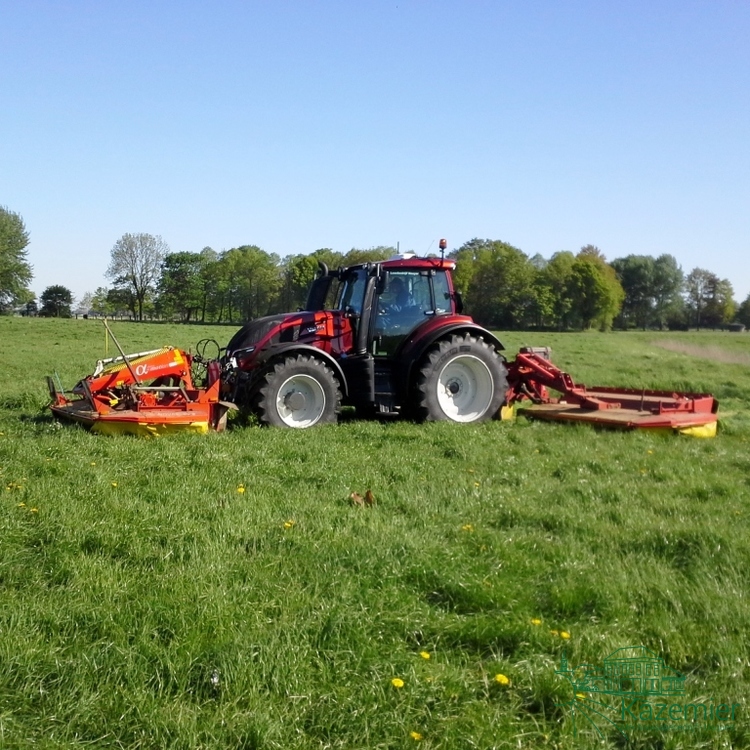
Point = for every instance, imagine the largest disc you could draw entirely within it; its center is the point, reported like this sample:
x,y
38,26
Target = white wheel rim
x,y
465,389
301,401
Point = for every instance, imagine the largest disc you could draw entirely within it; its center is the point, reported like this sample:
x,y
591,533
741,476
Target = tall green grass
x,y
221,592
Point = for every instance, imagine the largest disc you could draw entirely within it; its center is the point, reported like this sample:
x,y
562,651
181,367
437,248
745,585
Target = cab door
x,y
405,298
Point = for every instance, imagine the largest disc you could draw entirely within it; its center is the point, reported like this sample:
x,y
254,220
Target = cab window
x,y
351,292
442,292
406,298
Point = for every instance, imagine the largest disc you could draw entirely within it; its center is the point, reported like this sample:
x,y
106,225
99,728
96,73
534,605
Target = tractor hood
x,y
252,333
278,329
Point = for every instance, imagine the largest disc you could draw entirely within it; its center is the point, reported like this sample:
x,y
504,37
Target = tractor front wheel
x,y
462,379
299,391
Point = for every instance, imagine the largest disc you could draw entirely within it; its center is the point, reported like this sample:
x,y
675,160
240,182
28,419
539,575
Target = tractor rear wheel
x,y
299,391
462,379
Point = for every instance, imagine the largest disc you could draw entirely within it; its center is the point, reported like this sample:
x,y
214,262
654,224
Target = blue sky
x,y
299,125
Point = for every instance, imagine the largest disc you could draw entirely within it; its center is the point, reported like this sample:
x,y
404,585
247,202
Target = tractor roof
x,y
412,261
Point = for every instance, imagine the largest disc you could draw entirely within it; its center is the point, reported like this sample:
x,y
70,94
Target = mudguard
x,y
414,347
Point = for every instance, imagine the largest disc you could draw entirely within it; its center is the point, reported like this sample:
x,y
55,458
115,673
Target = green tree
x,y
215,280
209,260
499,283
15,271
121,302
668,285
135,267
542,309
181,285
370,255
56,301
652,289
253,281
466,258
743,312
636,274
99,301
596,294
698,285
297,273
332,258
720,305
553,289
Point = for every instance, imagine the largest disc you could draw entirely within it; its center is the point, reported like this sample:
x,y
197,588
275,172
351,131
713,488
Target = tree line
x,y
502,287
507,289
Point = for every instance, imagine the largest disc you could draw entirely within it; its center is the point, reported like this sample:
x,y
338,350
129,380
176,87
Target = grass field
x,y
221,592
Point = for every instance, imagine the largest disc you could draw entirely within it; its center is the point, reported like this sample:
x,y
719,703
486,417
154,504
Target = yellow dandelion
x,y
21,505
476,484
34,510
650,453
424,654
501,679
536,621
397,682
93,463
241,489
114,484
580,696
416,736
554,632
288,524
564,634
467,527
428,679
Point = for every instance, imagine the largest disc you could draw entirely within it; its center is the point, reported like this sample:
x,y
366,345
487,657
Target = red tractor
x,y
387,338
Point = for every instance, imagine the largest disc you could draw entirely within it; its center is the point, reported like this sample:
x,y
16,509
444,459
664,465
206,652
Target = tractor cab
x,y
405,298
387,301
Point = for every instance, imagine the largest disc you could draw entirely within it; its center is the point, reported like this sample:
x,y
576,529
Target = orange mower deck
x,y
149,394
199,415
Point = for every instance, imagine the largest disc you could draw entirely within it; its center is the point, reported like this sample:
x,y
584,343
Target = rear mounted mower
x,y
531,375
388,339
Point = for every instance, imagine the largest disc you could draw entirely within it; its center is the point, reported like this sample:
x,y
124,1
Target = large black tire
x,y
299,391
461,379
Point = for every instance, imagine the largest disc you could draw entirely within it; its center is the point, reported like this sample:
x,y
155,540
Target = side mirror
x,y
459,302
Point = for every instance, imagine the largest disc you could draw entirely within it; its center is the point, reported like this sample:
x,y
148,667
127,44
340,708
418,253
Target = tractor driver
x,y
398,295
